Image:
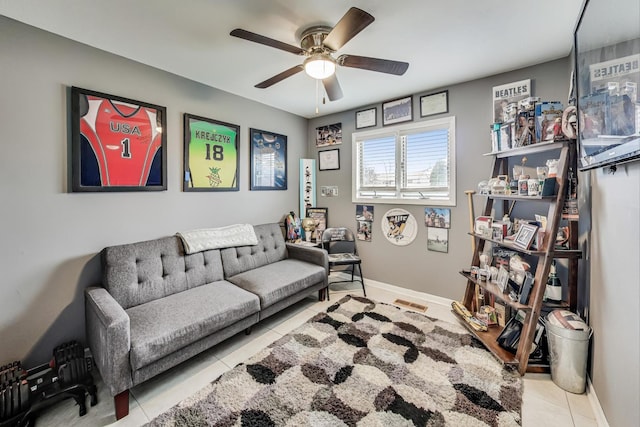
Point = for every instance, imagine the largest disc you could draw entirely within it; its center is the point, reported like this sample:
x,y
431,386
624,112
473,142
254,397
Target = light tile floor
x,y
544,403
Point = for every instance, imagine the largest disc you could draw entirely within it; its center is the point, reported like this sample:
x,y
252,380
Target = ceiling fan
x,y
318,43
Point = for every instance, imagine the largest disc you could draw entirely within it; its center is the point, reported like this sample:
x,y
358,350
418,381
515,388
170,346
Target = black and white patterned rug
x,y
362,363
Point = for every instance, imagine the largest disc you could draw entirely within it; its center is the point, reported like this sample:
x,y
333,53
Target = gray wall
x,y
50,237
412,266
615,291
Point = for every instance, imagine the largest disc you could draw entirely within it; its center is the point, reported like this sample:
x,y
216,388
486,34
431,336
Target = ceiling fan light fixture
x,y
320,66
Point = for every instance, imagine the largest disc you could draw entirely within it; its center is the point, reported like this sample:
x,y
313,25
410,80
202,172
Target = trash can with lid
x,y
568,338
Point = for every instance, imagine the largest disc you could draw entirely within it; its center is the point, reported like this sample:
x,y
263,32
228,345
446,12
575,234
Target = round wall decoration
x,y
399,227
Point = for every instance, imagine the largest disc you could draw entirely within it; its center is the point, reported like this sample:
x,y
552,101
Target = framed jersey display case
x,y
117,144
268,152
211,156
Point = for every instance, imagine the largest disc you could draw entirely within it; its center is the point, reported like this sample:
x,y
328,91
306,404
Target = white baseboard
x,y
398,290
408,292
601,420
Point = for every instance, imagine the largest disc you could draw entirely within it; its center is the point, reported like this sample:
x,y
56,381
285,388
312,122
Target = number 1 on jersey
x,y
126,149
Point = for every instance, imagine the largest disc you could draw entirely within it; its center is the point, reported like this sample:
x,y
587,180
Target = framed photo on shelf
x,y
525,236
366,118
268,153
483,225
329,135
320,218
503,278
329,159
211,159
117,144
397,111
435,103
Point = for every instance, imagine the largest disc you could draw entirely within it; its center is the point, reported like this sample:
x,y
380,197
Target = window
x,y
410,164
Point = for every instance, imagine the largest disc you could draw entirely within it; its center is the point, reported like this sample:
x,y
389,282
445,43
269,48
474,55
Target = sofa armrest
x,y
309,254
108,334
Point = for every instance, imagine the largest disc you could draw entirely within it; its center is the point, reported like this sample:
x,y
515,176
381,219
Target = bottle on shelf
x,y
553,291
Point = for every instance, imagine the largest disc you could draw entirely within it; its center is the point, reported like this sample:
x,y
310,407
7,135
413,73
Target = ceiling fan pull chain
x,y
317,95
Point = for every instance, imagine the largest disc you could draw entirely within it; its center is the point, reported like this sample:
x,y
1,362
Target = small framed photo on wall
x,y
436,103
329,160
366,118
397,111
329,135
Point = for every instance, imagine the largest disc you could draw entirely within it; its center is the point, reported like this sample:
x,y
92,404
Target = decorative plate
x,y
399,227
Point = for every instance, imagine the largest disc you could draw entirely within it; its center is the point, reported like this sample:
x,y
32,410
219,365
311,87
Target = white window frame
x,y
398,197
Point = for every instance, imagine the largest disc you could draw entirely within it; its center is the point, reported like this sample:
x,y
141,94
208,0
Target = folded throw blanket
x,y
216,238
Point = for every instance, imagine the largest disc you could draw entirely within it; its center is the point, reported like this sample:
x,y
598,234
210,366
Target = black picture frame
x,y
367,118
211,155
329,159
268,157
398,110
117,143
434,103
329,135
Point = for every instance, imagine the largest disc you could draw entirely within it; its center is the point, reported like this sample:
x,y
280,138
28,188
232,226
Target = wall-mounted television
x,y
607,52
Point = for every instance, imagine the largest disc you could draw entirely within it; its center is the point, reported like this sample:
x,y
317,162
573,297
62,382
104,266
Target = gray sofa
x,y
159,306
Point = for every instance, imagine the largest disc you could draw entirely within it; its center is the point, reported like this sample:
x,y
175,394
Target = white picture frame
x,y
525,236
503,278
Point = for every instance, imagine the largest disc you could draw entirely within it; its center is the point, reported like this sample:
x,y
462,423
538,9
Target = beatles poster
x,y
506,97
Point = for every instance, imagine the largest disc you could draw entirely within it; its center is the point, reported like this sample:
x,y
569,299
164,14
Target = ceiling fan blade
x,y
332,87
279,77
373,64
354,21
257,38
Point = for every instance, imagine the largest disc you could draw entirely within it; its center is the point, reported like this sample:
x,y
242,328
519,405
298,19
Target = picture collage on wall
x,y
120,144
438,222
364,222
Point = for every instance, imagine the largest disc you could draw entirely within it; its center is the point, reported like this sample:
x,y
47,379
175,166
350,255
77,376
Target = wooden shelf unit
x,y
545,254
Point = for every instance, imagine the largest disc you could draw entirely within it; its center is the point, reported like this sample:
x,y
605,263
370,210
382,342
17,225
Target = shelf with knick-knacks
x,y
537,240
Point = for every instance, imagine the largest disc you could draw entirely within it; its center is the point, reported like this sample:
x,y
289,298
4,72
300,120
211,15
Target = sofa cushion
x,y
165,325
279,280
271,247
137,273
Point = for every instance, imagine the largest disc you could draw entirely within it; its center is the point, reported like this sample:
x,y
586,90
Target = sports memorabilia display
x,y
210,155
118,144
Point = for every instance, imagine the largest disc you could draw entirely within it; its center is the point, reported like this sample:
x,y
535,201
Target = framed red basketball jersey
x,y
118,144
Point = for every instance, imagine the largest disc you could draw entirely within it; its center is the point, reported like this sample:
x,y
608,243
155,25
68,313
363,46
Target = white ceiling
x,y
445,42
